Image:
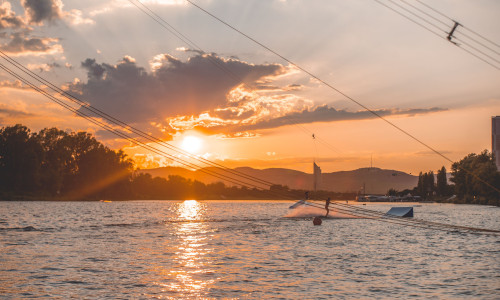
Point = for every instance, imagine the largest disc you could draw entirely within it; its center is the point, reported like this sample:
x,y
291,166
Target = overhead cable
x,y
349,210
126,127
189,42
446,28
411,136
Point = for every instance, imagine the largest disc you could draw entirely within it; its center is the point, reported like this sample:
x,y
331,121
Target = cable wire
x,y
339,91
85,106
478,50
349,210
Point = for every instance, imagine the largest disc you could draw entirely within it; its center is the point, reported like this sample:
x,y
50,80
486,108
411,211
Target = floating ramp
x,y
299,203
405,212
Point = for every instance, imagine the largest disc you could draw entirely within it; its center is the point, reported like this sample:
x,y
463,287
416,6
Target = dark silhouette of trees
x,y
442,188
55,163
20,157
425,185
477,179
55,159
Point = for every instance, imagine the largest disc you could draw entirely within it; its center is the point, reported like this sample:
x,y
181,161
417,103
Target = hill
x,y
374,180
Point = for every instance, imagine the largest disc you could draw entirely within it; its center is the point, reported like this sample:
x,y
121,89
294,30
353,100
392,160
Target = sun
x,y
191,144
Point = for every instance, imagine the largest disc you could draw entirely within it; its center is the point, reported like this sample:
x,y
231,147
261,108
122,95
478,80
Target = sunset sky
x,y
219,95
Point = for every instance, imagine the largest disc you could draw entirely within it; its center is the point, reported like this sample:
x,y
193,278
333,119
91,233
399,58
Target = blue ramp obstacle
x,y
406,212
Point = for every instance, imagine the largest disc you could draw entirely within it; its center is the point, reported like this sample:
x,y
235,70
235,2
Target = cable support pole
x,y
449,36
107,127
470,30
324,82
337,90
340,92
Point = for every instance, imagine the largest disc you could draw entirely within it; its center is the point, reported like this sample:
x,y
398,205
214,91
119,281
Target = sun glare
x,y
191,144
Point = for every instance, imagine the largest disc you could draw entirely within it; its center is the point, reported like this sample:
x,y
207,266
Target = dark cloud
x,y
322,114
42,10
173,88
20,44
94,70
205,93
294,87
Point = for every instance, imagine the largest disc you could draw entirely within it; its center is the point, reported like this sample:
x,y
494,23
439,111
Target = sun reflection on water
x,y
190,210
190,274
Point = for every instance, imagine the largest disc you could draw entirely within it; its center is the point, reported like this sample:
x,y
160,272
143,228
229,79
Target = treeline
x,y
54,164
144,186
475,180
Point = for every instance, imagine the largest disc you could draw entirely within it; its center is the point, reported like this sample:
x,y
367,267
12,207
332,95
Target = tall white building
x,y
317,175
495,139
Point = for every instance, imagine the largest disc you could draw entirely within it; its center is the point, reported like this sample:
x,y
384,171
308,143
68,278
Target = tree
x,y
442,183
420,185
425,186
54,162
392,192
20,157
429,185
56,157
476,175
93,169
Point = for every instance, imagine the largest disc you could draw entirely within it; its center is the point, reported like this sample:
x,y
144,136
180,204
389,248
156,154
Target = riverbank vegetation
x,y
56,165
474,180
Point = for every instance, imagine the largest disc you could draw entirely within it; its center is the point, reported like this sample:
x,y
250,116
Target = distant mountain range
x,y
374,180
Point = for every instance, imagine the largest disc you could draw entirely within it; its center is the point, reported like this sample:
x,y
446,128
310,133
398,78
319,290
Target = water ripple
x,y
239,250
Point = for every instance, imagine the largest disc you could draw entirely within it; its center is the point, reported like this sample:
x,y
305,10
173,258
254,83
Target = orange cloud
x,y
21,45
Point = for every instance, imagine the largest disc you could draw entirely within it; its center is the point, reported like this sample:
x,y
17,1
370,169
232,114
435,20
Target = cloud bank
x,y
208,93
172,88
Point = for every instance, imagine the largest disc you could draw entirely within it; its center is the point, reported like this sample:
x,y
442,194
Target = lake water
x,y
240,250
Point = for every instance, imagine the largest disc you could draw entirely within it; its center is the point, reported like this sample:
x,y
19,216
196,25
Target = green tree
x,y
442,183
392,192
476,175
20,159
56,156
429,184
420,185
94,170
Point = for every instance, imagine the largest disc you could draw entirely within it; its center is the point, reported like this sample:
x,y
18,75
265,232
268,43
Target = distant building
x,y
317,176
495,139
